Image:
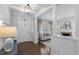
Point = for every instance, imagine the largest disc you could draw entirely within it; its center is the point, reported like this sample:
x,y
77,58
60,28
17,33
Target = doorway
x,y
44,31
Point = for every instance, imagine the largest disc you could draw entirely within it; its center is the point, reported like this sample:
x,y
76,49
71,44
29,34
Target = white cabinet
x,y
69,46
56,45
64,46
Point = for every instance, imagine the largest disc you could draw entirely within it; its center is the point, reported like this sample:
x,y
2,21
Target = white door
x,y
24,27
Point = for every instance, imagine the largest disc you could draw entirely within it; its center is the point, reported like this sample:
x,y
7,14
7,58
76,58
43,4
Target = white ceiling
x,y
35,7
47,15
65,10
62,10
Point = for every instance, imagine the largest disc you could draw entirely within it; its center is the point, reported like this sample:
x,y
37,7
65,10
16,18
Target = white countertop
x,y
65,37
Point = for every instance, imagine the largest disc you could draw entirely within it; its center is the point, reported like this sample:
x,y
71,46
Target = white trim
x,y
42,12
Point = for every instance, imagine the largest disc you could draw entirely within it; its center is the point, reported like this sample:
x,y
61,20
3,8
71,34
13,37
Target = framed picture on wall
x,y
65,24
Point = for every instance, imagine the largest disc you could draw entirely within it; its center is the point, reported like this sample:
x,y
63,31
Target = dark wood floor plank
x,y
29,48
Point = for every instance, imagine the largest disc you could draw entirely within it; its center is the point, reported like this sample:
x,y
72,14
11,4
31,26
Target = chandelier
x,y
27,8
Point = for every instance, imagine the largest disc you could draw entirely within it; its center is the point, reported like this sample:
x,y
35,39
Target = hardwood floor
x,y
29,48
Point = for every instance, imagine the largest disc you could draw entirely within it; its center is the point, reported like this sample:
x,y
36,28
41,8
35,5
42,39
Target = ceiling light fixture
x,y
27,8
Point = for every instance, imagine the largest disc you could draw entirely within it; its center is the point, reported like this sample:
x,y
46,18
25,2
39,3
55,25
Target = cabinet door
x,y
68,46
56,45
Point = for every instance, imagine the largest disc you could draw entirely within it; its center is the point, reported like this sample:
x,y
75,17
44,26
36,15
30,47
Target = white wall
x,y
77,27
65,10
45,26
77,22
5,13
47,15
